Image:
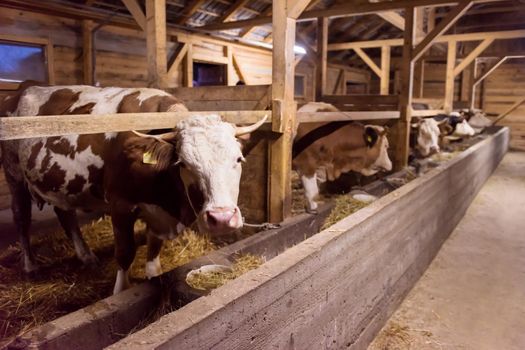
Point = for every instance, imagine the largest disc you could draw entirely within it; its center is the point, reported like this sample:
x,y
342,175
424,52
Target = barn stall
x,y
113,50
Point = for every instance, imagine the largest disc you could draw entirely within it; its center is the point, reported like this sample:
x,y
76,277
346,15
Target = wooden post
x,y
385,70
283,107
322,42
405,98
156,42
449,79
482,77
87,53
188,67
419,77
467,76
229,68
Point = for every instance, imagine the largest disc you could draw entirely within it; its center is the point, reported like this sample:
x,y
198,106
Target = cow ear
x,y
370,136
160,151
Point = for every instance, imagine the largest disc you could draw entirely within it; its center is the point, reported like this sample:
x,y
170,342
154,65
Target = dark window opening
x,y
299,86
207,74
20,61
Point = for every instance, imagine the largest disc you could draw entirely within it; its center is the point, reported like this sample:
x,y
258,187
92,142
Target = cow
x,y
454,125
342,147
424,136
476,119
170,180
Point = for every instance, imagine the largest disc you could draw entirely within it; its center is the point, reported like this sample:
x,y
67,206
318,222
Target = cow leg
x,y
69,222
153,267
311,191
21,208
123,221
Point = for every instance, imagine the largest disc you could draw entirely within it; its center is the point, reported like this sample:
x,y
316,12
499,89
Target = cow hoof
x,y
153,268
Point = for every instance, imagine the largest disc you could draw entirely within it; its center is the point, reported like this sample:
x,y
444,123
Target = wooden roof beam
x,y
189,10
237,5
441,28
345,10
393,18
137,13
472,56
370,63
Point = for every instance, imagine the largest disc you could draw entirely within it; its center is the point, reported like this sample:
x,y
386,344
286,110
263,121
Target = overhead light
x,y
299,49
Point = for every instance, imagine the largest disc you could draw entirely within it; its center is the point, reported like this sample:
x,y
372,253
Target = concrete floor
x,y
473,294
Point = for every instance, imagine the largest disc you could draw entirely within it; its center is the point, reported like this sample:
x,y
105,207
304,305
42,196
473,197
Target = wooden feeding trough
x,y
328,290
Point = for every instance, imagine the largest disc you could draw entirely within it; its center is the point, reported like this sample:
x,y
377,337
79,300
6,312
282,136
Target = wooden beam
x,y
179,56
338,82
137,13
226,16
508,34
156,42
405,97
189,9
88,70
322,56
56,125
230,69
441,28
284,109
449,78
385,70
188,67
248,29
511,109
420,24
419,77
296,7
472,56
368,61
491,69
393,18
238,68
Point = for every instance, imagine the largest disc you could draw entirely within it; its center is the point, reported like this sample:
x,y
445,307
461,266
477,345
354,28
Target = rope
x,y
264,226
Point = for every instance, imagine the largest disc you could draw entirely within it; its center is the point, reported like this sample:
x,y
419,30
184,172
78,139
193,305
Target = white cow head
x,y
427,136
209,158
464,129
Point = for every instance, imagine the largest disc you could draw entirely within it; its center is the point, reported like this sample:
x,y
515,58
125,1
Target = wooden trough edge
x,y
337,288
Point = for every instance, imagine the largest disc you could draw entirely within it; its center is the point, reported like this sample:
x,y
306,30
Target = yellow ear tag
x,y
369,138
147,158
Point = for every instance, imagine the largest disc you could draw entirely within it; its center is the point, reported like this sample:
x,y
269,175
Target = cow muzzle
x,y
223,220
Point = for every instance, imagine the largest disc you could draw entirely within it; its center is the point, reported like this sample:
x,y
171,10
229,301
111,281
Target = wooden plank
x,y
316,117
87,53
370,63
362,99
500,117
156,43
338,82
491,69
55,125
322,57
296,7
449,79
405,98
427,112
385,70
441,28
283,117
340,286
137,13
393,18
230,70
247,30
220,93
238,68
232,9
473,55
181,52
419,77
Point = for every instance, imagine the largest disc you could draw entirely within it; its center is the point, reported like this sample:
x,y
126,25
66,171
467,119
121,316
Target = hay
x,y
344,206
395,337
212,280
63,285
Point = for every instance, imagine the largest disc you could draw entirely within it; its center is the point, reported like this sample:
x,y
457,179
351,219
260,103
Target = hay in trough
x,y
394,337
63,284
212,280
344,206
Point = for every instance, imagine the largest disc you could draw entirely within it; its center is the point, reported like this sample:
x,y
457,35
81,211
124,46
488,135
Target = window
x,y
24,59
207,74
300,85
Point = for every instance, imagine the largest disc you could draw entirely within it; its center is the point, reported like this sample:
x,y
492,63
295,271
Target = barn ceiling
x,y
193,15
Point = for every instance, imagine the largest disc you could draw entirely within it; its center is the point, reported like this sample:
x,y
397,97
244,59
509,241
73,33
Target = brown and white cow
x,y
189,174
425,136
343,147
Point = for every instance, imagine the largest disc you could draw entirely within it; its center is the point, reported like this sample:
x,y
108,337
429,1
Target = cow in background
x,y
190,174
342,147
424,136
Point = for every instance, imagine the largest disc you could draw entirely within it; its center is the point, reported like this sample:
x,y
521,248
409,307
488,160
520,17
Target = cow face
x,y
427,136
464,129
377,145
209,159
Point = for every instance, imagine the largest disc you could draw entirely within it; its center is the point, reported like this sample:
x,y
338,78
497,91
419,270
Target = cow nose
x,y
219,219
434,149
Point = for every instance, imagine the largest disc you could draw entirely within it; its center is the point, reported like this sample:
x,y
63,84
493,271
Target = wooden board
x,y
337,288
